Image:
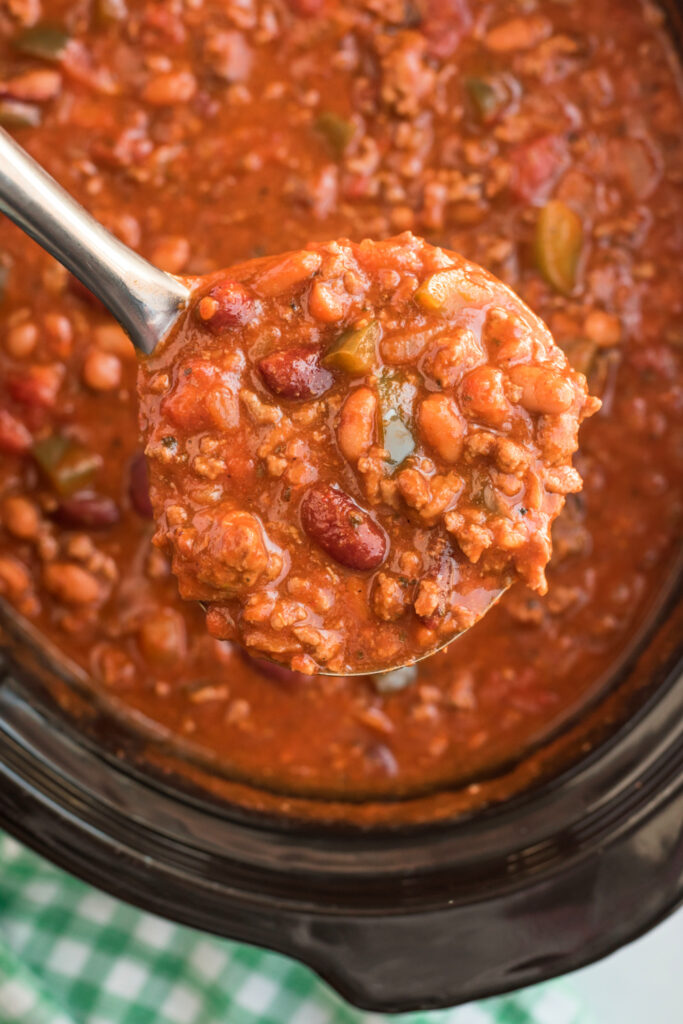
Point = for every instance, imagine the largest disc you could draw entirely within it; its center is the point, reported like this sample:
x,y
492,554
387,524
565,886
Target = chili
x,y
194,131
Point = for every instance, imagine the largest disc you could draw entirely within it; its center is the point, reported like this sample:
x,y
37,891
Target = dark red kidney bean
x,y
86,511
138,486
225,305
295,373
334,521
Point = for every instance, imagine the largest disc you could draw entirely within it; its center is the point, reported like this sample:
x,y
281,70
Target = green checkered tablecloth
x,y
69,954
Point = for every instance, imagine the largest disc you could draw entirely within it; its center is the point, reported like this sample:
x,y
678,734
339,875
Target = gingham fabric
x,y
69,954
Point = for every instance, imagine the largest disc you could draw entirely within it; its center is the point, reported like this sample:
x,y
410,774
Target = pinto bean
x,y
344,530
356,429
21,339
171,253
519,33
604,329
170,88
291,271
15,579
325,304
101,370
483,396
33,86
162,637
442,426
70,583
544,390
295,373
20,517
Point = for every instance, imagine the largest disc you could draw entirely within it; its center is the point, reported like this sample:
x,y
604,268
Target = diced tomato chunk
x,y
15,439
203,397
306,7
444,24
536,166
37,386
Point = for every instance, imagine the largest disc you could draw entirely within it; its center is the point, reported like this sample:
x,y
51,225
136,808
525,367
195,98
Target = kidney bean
x,y
138,486
70,583
162,637
295,373
15,439
91,511
225,305
343,529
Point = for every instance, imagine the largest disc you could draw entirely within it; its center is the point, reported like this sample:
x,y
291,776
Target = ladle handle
x,y
145,300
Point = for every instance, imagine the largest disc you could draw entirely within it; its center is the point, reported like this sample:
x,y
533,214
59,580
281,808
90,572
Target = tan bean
x,y
70,583
14,577
446,290
543,389
518,34
163,637
112,338
483,396
171,253
59,332
356,429
287,273
442,426
20,517
604,329
36,86
21,339
325,304
169,88
101,370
